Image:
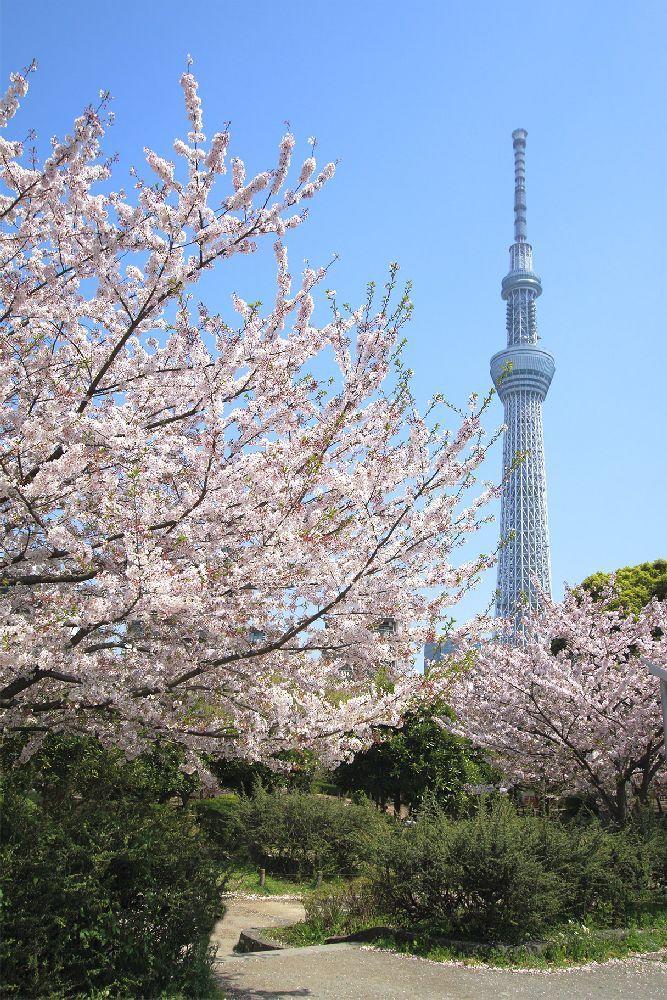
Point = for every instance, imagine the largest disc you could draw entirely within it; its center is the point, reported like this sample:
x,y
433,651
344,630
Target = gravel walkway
x,y
351,972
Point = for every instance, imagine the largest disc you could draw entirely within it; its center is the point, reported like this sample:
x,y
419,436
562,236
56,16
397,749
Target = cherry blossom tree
x,y
571,707
201,539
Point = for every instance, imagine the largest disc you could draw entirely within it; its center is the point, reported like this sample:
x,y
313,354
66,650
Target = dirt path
x,y
243,912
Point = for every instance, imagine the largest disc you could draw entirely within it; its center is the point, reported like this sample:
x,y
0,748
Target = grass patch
x,y
246,880
300,935
570,944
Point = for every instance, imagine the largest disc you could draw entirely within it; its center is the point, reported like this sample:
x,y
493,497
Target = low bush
x,y
651,830
295,832
609,877
477,878
342,908
499,876
106,890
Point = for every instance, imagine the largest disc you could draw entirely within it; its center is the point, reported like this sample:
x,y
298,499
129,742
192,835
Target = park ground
x,y
355,972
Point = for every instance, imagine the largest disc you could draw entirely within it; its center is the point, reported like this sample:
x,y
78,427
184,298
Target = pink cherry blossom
x,y
570,707
201,535
307,169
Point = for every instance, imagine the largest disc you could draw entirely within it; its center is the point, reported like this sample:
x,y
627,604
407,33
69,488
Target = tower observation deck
x,y
522,374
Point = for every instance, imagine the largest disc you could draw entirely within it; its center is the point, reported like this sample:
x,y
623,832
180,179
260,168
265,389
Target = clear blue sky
x,y
418,101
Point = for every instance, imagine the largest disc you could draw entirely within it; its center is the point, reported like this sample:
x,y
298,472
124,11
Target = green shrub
x,y
479,878
219,821
499,876
608,876
105,889
291,831
651,830
341,908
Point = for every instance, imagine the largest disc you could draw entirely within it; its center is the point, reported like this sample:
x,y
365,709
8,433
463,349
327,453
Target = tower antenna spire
x,y
519,143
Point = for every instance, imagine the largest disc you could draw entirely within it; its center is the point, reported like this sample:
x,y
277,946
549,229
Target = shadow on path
x,y
226,981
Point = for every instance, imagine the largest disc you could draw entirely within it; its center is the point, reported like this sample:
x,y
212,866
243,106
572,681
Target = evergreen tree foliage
x,y
418,758
636,585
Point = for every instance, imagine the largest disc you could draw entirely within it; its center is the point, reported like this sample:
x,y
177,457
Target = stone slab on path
x,y
243,911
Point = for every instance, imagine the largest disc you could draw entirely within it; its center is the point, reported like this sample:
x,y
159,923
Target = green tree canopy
x,y
243,775
636,585
418,758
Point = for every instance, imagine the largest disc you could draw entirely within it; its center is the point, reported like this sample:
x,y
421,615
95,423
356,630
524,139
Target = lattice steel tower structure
x,y
522,375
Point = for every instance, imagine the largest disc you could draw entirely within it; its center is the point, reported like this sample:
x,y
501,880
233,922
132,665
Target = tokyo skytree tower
x,y
522,375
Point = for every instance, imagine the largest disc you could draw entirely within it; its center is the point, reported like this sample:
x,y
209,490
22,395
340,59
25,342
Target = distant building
x,y
435,652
